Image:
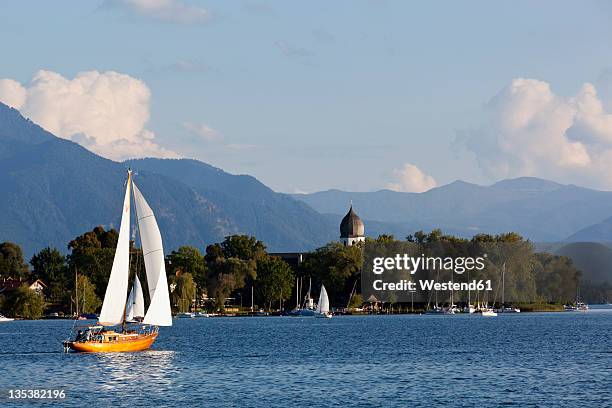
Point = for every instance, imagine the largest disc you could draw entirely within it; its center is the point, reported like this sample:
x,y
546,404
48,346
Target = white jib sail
x,y
159,313
114,298
135,306
323,304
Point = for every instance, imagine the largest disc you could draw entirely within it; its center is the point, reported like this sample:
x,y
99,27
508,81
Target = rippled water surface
x,y
538,359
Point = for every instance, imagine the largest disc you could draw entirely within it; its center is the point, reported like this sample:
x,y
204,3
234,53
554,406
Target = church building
x,y
352,229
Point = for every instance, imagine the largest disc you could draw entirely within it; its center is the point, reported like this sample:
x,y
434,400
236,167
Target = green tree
x,y
49,265
385,238
184,291
12,263
88,301
274,280
232,265
188,259
557,278
337,267
24,302
243,247
228,275
92,254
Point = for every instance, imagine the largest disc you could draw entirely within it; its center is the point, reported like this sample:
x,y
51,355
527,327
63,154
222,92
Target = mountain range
x,y
538,209
54,189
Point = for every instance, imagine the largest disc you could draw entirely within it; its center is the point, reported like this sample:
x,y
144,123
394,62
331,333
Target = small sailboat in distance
x,y
117,311
322,309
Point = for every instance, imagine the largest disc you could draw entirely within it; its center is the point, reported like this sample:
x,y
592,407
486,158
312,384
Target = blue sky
x,y
327,94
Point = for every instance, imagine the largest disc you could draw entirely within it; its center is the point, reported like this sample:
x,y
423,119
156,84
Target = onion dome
x,y
351,225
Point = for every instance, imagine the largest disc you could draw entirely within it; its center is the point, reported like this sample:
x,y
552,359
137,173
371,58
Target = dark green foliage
x,y
529,276
49,265
92,255
232,265
275,280
24,302
184,291
556,278
337,267
12,263
88,301
188,260
242,247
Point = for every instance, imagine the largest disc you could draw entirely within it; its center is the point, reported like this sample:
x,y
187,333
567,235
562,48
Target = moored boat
x,y
509,309
5,319
488,312
578,307
308,308
322,309
469,308
435,310
119,327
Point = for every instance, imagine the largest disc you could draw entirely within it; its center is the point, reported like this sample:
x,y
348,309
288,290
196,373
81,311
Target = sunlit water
x,y
537,359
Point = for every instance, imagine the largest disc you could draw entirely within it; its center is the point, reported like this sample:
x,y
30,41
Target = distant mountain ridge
x,y
54,189
283,223
539,209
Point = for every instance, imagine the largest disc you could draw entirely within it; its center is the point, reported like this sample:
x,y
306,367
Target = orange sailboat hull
x,y
119,343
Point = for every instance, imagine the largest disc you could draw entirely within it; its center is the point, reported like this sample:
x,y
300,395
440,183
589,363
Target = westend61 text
x,y
410,286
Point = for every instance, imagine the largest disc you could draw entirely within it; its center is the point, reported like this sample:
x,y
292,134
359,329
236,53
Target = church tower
x,y
351,228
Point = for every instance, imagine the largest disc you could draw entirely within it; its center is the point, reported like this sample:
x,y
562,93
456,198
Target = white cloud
x,y
12,93
174,11
530,131
105,112
411,179
203,131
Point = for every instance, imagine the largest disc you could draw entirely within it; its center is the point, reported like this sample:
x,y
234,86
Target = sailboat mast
x,y
123,317
469,294
504,284
76,291
451,292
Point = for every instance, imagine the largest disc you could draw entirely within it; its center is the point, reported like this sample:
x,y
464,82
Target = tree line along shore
x,y
238,274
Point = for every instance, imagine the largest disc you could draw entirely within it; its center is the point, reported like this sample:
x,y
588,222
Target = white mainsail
x,y
323,304
135,305
113,307
159,313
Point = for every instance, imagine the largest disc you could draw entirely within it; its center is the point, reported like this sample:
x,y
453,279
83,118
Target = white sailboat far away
x,y
112,332
322,309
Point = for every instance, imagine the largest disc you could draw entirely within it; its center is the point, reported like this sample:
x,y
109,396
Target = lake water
x,y
529,359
